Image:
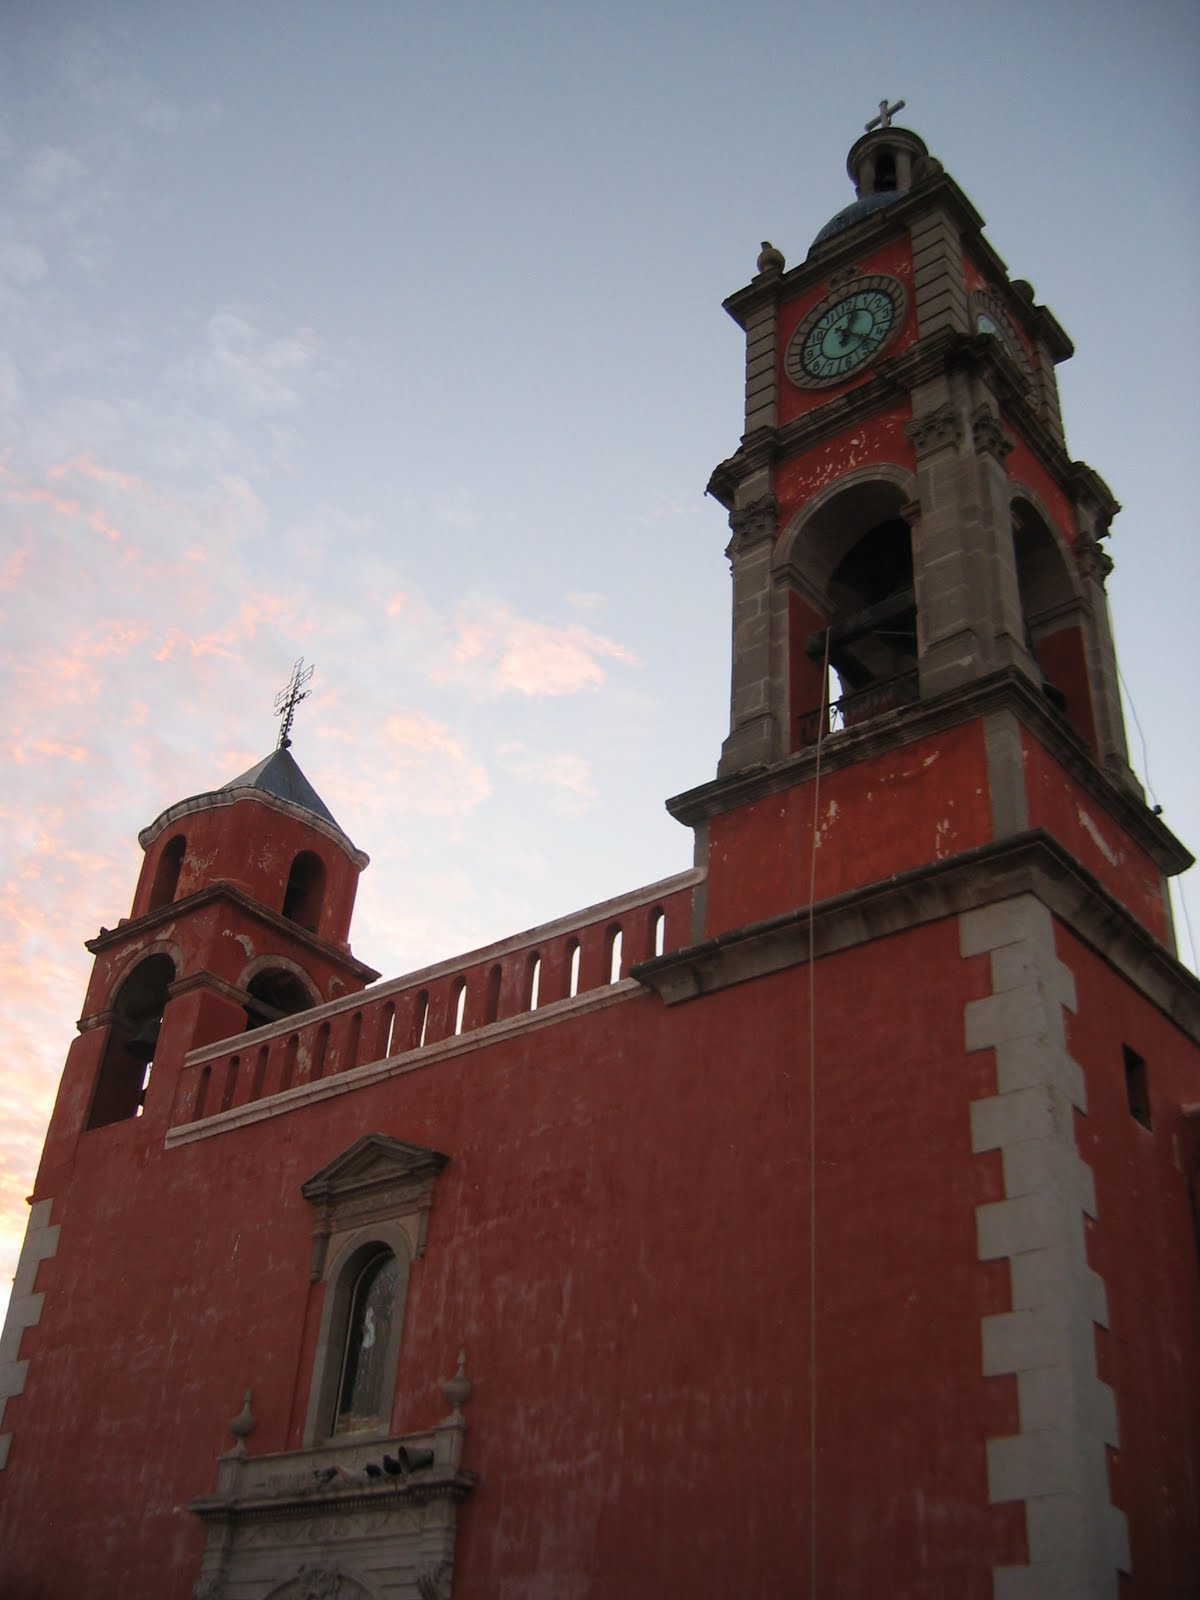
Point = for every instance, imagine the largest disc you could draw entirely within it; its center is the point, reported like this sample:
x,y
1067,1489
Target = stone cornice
x,y
892,383
1029,863
999,691
213,799
227,893
844,249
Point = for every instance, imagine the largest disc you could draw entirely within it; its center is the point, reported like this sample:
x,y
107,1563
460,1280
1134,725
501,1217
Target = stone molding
x,y
1057,1463
215,799
893,380
166,915
311,1522
988,433
752,525
1030,863
1006,689
24,1309
935,430
377,1178
416,1060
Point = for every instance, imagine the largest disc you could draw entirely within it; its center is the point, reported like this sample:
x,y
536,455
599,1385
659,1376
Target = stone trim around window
x,y
377,1194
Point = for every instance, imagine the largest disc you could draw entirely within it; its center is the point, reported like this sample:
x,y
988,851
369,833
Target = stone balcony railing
x,y
527,980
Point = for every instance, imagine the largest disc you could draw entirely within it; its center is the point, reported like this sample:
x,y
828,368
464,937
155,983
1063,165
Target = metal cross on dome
x,y
288,699
886,113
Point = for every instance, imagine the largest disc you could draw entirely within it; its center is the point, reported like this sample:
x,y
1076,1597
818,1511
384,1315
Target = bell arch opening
x,y
137,1013
166,874
1054,616
849,572
304,897
275,992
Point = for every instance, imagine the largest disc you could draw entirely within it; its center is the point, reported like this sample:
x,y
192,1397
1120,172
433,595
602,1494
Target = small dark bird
x,y
394,1468
373,1469
417,1460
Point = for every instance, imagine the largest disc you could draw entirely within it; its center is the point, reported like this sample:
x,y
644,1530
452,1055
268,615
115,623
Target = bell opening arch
x,y
845,566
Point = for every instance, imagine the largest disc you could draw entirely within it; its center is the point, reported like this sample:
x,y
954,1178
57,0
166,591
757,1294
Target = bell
x,y
141,1044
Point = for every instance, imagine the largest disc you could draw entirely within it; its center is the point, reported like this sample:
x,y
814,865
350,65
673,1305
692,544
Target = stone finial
x,y
243,1425
770,260
457,1389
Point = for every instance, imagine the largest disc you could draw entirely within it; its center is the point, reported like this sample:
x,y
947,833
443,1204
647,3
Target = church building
x,y
822,1221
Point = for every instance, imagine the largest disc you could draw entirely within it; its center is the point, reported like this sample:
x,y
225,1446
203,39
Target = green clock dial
x,y
991,318
844,331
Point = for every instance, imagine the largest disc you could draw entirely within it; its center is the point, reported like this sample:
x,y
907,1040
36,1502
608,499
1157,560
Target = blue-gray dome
x,y
854,213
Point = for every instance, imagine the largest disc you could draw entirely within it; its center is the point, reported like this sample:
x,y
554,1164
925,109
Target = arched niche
x,y
1054,611
846,562
166,874
137,1010
304,896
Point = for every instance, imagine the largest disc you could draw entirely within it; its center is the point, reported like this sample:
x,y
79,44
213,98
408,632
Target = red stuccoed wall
x,y
1144,1244
621,1240
1061,806
886,814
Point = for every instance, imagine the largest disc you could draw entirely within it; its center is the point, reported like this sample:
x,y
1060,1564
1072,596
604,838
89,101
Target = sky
x,y
390,335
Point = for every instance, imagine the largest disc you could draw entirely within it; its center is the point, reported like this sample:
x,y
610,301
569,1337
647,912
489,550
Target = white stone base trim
x,y
1057,1464
24,1309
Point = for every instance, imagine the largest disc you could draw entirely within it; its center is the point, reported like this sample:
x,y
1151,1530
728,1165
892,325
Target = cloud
x,y
456,508
495,651
569,775
250,371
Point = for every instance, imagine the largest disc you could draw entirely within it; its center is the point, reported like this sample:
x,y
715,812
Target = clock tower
x,y
924,802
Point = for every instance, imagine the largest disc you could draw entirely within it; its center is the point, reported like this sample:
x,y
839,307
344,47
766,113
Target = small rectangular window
x,y
1137,1088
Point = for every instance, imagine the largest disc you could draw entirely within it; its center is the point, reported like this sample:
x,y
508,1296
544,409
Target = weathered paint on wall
x,y
924,802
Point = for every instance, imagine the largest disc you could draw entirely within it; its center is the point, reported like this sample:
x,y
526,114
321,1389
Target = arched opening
x,y
273,993
491,1010
533,980
458,1004
573,988
659,930
885,171
132,1040
420,1020
1053,617
852,601
166,875
302,899
614,942
363,1400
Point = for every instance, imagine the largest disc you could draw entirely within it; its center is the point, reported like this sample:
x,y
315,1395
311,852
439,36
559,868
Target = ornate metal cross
x,y
886,113
288,699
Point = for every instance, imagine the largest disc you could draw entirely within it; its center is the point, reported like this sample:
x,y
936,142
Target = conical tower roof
x,y
279,774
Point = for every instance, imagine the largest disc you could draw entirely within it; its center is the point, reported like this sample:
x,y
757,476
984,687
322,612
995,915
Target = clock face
x,y
844,331
991,318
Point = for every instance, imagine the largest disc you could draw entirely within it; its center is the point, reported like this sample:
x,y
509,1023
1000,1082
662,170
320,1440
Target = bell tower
x,y
912,544
241,917
931,876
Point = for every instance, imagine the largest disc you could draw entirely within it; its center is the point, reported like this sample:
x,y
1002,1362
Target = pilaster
x,y
754,736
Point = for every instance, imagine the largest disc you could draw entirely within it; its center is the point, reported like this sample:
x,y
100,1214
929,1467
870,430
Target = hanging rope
x,y
822,727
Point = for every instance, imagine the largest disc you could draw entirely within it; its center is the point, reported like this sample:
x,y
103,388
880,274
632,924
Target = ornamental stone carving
x,y
752,524
935,430
989,434
1094,563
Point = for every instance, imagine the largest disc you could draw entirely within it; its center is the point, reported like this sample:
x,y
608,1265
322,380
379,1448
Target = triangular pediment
x,y
374,1161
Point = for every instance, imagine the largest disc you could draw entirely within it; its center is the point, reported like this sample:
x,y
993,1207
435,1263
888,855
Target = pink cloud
x,y
498,651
